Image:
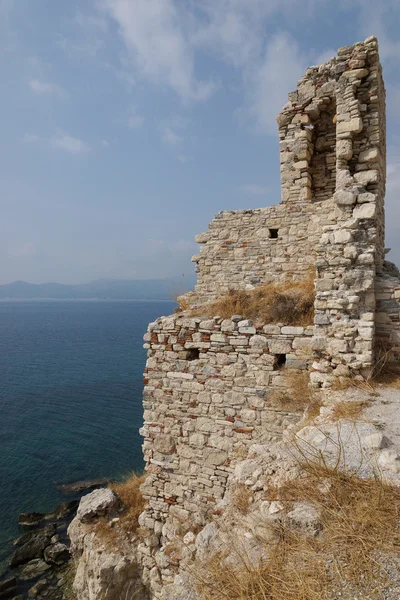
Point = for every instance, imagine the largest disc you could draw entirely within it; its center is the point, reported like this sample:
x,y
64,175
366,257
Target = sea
x,y
71,377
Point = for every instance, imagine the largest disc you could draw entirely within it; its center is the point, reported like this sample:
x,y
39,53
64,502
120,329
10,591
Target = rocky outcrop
x,y
103,571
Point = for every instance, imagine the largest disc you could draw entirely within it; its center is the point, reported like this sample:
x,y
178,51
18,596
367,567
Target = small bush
x,y
291,303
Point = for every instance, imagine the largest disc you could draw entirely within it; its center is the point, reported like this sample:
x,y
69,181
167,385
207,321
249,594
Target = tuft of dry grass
x,y
290,302
241,499
132,505
297,395
349,410
132,501
347,558
386,369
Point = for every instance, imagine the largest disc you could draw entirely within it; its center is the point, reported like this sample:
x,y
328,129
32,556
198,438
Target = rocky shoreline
x,y
39,560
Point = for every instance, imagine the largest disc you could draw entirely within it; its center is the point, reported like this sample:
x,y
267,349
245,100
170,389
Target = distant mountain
x,y
112,289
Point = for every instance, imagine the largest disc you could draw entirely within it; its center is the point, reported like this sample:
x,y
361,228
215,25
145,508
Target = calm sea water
x,y
70,398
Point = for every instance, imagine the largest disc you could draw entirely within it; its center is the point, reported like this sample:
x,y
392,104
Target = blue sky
x,y
128,124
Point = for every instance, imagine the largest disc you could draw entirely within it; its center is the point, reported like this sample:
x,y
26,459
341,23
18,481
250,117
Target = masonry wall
x,y
388,317
207,397
331,216
239,250
351,250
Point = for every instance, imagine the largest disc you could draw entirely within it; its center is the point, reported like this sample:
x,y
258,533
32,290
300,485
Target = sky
x,y
128,124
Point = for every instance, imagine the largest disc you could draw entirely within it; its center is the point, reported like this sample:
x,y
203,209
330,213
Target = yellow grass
x,y
348,410
297,394
132,505
291,303
241,499
360,530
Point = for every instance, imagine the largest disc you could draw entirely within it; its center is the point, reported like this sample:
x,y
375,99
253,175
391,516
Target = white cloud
x,y
41,87
61,140
70,144
170,137
252,189
282,66
157,39
135,120
171,130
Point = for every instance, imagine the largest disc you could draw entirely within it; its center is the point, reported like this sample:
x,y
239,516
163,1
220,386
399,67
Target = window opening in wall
x,y
273,234
193,354
322,165
280,360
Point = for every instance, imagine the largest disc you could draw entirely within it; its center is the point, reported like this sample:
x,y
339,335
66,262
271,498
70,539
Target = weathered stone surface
x,y
8,587
56,554
305,517
35,568
96,504
33,548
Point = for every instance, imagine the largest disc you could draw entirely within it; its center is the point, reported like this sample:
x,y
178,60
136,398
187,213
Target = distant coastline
x,y
160,299
99,290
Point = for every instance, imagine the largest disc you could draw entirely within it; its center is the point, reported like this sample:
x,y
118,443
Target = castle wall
x,y
351,250
238,251
207,397
388,318
331,216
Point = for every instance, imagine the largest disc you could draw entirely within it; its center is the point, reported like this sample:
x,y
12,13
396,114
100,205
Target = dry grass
x,y
132,505
182,302
350,410
241,498
386,369
291,303
296,395
360,527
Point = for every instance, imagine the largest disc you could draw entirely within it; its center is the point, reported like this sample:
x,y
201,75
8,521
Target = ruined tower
x,y
208,380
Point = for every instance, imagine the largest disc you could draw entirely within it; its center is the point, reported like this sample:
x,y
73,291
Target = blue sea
x,y
70,397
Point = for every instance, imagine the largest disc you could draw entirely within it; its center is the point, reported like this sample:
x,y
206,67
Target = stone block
x,y
258,341
353,126
202,238
345,197
371,155
366,177
356,73
279,346
342,236
366,197
344,149
178,375
365,211
290,330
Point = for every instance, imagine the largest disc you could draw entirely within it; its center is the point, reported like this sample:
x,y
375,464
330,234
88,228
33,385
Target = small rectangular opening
x,y
273,234
280,360
193,354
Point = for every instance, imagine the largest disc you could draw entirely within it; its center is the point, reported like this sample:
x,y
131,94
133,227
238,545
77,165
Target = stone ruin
x,y
208,382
